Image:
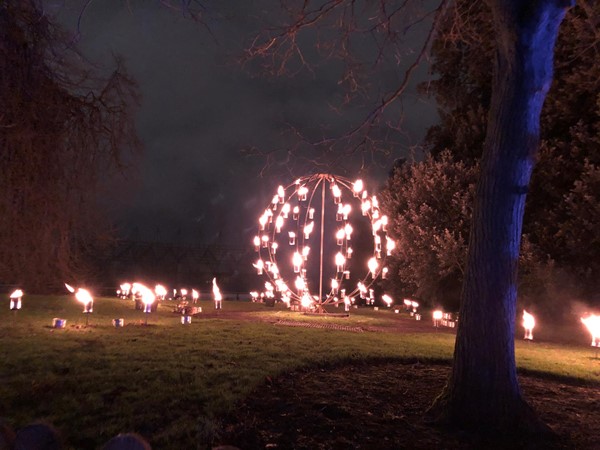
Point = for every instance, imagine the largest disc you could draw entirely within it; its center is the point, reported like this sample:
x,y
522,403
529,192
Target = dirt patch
x,y
381,406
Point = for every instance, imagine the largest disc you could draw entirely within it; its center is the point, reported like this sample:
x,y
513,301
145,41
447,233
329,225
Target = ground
x,y
381,406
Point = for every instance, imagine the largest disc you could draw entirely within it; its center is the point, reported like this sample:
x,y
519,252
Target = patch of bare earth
x,y
382,406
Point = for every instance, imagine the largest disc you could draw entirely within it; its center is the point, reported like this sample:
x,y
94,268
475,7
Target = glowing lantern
x,y
390,245
306,300
217,294
437,316
292,236
15,299
184,293
84,297
334,286
340,260
278,224
148,299
262,221
337,193
296,212
274,247
384,222
308,229
195,295
259,265
376,227
592,323
285,210
340,235
384,273
125,289
528,324
300,284
256,243
372,265
302,192
357,187
362,289
305,252
311,213
160,291
365,207
297,261
387,299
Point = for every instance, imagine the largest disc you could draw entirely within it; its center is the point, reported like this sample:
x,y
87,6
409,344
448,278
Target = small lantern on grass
x,y
15,300
148,299
84,297
217,295
592,323
528,324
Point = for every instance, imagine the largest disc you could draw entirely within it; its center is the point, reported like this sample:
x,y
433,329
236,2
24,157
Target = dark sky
x,y
200,109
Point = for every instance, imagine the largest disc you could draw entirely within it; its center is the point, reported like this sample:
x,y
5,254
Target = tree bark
x,y
483,390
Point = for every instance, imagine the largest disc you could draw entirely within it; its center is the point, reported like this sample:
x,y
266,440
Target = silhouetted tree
x,y
63,130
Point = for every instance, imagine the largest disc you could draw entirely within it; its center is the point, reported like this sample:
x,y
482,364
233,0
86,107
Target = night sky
x,y
200,109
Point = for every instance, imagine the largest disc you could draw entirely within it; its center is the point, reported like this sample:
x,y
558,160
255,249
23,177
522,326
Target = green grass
x,y
171,382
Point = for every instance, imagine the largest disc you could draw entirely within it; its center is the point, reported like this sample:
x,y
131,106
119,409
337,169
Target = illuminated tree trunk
x,y
483,389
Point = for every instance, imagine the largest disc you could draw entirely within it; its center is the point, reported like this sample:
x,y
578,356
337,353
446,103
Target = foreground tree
x,y
483,389
63,130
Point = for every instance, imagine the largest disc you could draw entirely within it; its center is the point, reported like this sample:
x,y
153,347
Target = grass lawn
x,y
170,382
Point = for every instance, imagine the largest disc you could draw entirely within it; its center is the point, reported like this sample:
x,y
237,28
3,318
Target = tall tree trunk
x,y
483,389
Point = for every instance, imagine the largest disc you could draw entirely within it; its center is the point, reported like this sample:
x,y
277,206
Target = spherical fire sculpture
x,y
308,225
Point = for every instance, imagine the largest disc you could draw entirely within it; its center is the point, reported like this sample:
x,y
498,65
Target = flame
x,y
17,294
308,229
306,300
297,260
335,189
372,265
70,288
83,296
528,320
348,231
160,290
125,288
216,291
148,296
387,299
592,323
300,284
278,223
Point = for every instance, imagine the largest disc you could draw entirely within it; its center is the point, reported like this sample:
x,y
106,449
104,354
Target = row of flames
x,y
592,321
273,219
149,296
